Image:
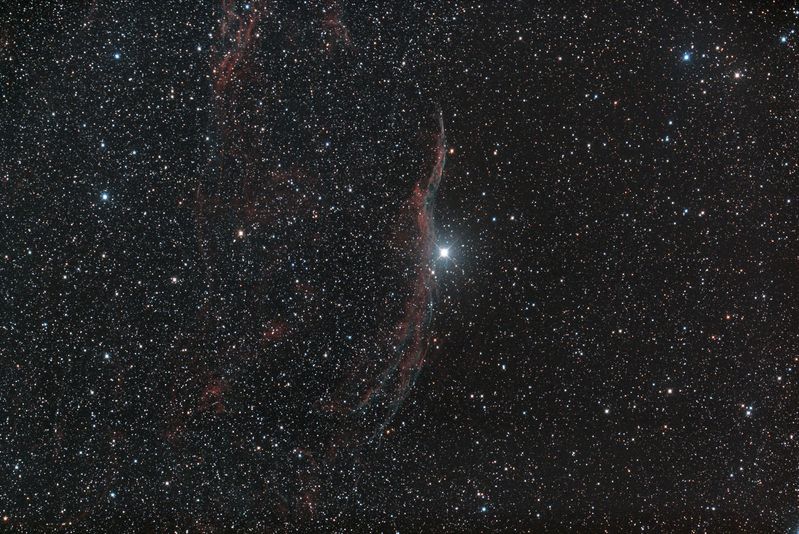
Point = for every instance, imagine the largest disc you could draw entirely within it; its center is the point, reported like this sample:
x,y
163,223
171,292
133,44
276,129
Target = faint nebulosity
x,y
399,266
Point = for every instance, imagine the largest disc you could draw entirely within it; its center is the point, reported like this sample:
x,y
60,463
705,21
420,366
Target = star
x,y
443,252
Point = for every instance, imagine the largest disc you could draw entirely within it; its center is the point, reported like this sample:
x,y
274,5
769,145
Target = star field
x,y
399,266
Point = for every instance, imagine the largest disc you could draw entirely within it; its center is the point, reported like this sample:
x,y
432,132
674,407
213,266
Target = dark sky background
x,y
388,265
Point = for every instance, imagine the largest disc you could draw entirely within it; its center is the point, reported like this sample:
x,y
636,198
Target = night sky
x,y
399,266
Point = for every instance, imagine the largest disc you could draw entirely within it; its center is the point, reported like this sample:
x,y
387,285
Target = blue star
x,y
104,196
686,56
117,56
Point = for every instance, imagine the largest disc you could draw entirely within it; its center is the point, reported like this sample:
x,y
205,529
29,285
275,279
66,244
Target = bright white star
x,y
443,252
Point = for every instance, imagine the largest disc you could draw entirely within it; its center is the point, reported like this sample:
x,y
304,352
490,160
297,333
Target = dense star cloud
x,y
399,266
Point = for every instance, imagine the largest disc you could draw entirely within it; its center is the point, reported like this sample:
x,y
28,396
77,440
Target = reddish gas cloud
x,y
236,36
246,196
